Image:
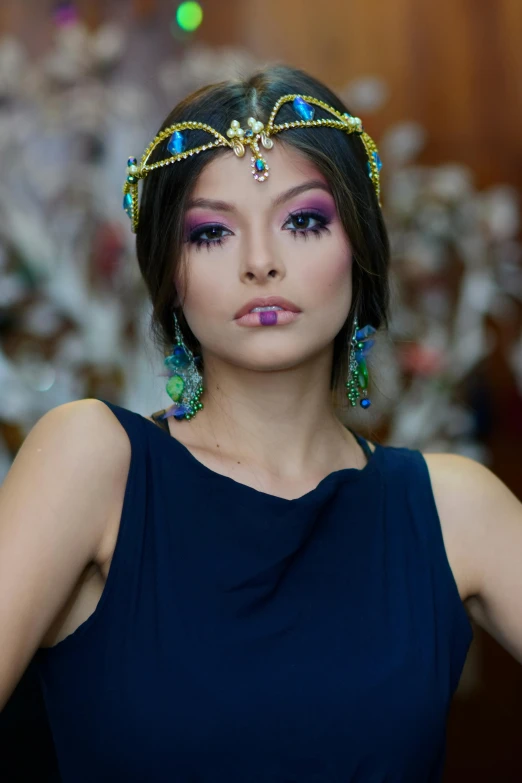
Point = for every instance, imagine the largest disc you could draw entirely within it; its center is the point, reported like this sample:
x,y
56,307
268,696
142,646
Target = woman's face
x,y
246,239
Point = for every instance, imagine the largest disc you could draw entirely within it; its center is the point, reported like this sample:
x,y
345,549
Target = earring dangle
x,y
185,384
357,385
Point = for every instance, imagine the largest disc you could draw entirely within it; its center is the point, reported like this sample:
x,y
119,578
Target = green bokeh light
x,y
189,15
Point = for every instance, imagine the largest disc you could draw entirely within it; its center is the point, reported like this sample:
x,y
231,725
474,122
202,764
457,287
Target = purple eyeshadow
x,y
324,206
191,226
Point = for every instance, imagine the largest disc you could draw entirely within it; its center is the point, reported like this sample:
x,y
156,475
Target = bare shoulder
x,y
75,431
94,448
87,417
100,424
112,443
454,479
465,493
90,426
481,520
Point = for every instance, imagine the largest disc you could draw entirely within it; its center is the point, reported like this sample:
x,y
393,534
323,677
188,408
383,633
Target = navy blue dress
x,y
247,638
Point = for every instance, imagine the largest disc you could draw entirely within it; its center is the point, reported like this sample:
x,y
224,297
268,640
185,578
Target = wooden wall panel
x,y
453,65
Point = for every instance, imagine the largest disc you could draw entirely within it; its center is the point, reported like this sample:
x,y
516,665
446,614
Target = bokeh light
x,y
189,15
65,13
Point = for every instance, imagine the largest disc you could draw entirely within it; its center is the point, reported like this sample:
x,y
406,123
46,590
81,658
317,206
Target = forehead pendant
x,y
257,132
251,137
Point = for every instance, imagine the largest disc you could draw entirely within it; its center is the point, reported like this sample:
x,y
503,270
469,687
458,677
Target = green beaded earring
x,y
185,384
357,385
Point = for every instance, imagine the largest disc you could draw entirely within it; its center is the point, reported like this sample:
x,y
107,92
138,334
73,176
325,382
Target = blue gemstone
x,y
249,132
178,360
366,331
304,110
132,162
365,402
127,204
260,164
180,411
377,160
364,351
176,143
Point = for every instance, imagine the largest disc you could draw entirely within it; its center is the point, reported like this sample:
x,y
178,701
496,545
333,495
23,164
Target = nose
x,y
260,258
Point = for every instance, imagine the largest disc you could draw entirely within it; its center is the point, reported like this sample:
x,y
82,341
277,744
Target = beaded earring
x,y
185,384
358,371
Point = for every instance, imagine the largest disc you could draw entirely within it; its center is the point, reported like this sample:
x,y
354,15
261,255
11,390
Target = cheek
x,y
205,295
191,280
332,276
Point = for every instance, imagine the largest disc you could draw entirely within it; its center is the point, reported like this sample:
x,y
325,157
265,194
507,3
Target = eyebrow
x,y
224,206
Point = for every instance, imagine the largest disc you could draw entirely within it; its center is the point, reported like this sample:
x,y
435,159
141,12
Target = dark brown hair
x,y
340,157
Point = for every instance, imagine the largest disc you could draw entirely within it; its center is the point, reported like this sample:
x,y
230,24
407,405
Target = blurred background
x,y
438,85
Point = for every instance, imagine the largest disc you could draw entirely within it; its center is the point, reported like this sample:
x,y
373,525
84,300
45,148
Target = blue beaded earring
x,y
360,346
185,384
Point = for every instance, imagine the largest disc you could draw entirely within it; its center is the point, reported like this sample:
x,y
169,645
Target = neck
x,y
281,421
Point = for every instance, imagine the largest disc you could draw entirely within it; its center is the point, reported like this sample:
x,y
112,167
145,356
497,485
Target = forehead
x,y
228,176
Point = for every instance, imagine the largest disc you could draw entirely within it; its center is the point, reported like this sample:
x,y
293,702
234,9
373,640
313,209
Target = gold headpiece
x,y
238,139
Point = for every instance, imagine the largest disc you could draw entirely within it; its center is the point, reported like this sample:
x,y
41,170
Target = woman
x,y
255,593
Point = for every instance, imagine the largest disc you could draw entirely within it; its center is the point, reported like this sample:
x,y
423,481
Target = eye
x,y
208,236
307,222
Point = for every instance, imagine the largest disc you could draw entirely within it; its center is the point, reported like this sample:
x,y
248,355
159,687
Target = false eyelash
x,y
305,232
208,243
195,237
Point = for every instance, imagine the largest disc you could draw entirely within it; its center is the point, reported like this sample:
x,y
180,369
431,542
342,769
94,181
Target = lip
x,y
268,301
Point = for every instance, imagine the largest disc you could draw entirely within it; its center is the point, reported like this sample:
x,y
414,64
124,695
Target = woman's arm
x,y
54,504
485,517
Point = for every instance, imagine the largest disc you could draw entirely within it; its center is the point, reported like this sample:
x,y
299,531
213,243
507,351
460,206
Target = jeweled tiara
x,y
238,139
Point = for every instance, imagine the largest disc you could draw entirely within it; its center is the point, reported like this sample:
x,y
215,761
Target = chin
x,y
270,358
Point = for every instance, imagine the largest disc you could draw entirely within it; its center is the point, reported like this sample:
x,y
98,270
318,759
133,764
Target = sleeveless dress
x,y
247,638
